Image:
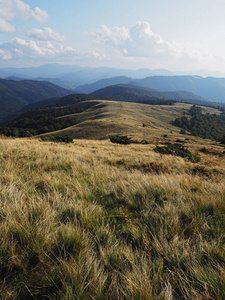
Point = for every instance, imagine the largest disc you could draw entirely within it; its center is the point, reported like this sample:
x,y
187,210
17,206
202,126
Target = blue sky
x,y
170,34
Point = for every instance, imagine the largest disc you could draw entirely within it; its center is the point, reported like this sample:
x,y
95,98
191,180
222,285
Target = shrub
x,y
204,150
202,170
178,150
223,140
207,151
144,142
120,139
125,140
183,131
180,141
197,158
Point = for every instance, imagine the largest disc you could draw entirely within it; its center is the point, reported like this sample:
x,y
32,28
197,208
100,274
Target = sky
x,y
177,35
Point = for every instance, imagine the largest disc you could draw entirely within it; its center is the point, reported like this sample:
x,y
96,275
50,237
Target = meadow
x,y
97,220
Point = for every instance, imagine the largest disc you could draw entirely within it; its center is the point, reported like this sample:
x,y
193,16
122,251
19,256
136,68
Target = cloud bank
x,y
141,41
46,34
6,26
44,43
20,48
11,9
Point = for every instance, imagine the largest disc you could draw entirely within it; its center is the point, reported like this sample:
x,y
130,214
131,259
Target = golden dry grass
x,y
89,221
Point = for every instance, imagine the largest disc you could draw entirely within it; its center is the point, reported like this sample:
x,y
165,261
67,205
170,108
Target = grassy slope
x,y
96,220
107,118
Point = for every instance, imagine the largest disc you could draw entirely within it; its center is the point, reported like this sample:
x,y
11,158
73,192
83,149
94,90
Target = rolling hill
x,y
86,116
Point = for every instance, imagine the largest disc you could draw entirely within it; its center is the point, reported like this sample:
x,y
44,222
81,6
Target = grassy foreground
x,y
95,220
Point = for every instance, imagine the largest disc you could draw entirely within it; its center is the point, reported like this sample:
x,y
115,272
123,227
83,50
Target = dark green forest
x,y
210,126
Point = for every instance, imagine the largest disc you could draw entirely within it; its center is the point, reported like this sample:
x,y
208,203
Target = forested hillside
x,y
44,118
16,94
211,126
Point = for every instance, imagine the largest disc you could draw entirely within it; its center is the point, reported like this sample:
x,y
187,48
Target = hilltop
x,y
84,116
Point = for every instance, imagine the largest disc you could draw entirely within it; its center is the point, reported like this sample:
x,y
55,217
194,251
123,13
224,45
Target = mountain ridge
x,y
120,90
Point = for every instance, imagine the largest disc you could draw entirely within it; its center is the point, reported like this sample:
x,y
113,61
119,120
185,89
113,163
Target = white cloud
x,y
39,15
6,26
34,49
146,43
46,34
5,54
141,41
10,9
116,36
23,49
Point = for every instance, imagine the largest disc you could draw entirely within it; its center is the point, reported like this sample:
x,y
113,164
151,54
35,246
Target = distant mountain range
x,y
209,89
18,94
87,80
71,76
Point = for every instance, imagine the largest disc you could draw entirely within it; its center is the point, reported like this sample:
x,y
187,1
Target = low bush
x,y
180,141
204,150
120,139
207,151
178,150
202,170
183,131
125,140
